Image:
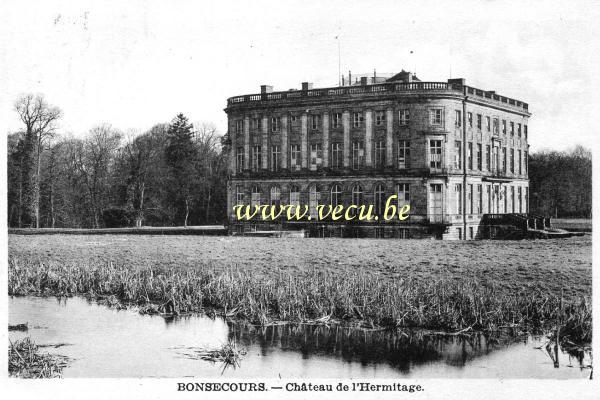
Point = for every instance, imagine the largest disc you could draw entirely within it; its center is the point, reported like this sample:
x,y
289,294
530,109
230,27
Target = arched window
x,y
255,199
314,198
239,195
357,194
336,195
379,199
403,190
294,196
275,196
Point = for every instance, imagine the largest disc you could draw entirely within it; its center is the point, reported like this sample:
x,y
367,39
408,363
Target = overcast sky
x,y
134,64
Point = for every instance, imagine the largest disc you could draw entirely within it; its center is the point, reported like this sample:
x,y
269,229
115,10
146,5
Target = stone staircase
x,y
522,226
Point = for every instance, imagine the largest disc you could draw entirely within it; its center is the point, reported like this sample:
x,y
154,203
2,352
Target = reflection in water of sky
x,y
104,342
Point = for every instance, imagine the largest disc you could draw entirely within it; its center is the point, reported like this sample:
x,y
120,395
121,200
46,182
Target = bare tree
x,y
40,127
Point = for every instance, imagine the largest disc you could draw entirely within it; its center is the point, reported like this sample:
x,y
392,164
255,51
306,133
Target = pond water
x,y
105,342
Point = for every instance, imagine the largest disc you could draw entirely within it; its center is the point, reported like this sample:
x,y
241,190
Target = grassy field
x,y
434,284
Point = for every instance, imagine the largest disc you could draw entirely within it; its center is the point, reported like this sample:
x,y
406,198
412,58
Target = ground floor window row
x,y
491,199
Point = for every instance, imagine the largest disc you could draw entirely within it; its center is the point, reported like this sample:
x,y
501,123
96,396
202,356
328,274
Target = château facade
x,y
454,153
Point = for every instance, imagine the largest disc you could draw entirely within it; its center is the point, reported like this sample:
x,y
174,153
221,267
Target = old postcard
x,y
367,199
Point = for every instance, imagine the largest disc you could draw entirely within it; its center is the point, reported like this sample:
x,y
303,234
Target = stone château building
x,y
455,153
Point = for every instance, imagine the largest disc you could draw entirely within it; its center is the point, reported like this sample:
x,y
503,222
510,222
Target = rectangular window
x,y
470,119
403,190
458,154
357,119
512,128
336,155
512,198
495,159
255,199
479,160
504,127
314,198
457,118
239,126
435,154
239,195
380,118
380,153
488,157
487,123
275,158
489,198
520,201
358,154
496,127
315,121
435,116
316,156
505,195
459,196
239,164
479,121
294,118
519,130
256,158
295,157
404,117
525,131
512,161
526,202
336,120
274,124
470,155
403,154
255,123
479,204
470,198
504,159
525,161
520,161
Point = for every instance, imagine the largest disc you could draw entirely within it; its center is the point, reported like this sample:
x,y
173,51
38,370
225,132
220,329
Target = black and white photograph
x,y
273,199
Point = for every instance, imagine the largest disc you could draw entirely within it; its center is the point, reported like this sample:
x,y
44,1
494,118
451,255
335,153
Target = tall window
x,y
315,121
505,195
525,131
295,157
275,157
275,196
512,129
314,198
379,199
458,194
380,153
489,198
316,156
435,154
336,155
357,194
336,120
470,155
495,164
504,127
496,127
403,190
255,123
380,118
336,195
403,154
525,161
404,117
256,158
274,124
239,126
504,159
255,196
294,196
487,124
479,207
512,198
435,116
520,162
239,195
479,121
358,155
470,198
457,118
239,157
458,154
357,119
479,160
526,200
512,161
519,130
488,156
520,201
470,119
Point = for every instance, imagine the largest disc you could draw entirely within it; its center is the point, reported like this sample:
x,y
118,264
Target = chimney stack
x,y
363,80
306,86
266,89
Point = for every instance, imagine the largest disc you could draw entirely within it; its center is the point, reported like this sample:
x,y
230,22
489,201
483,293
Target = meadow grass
x,y
352,297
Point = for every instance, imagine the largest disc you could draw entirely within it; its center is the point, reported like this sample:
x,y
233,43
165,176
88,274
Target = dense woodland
x,y
175,174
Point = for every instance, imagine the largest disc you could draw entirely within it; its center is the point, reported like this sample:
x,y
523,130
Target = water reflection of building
x,y
455,153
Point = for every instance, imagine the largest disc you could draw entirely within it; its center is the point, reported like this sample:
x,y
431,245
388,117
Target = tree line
x,y
173,174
